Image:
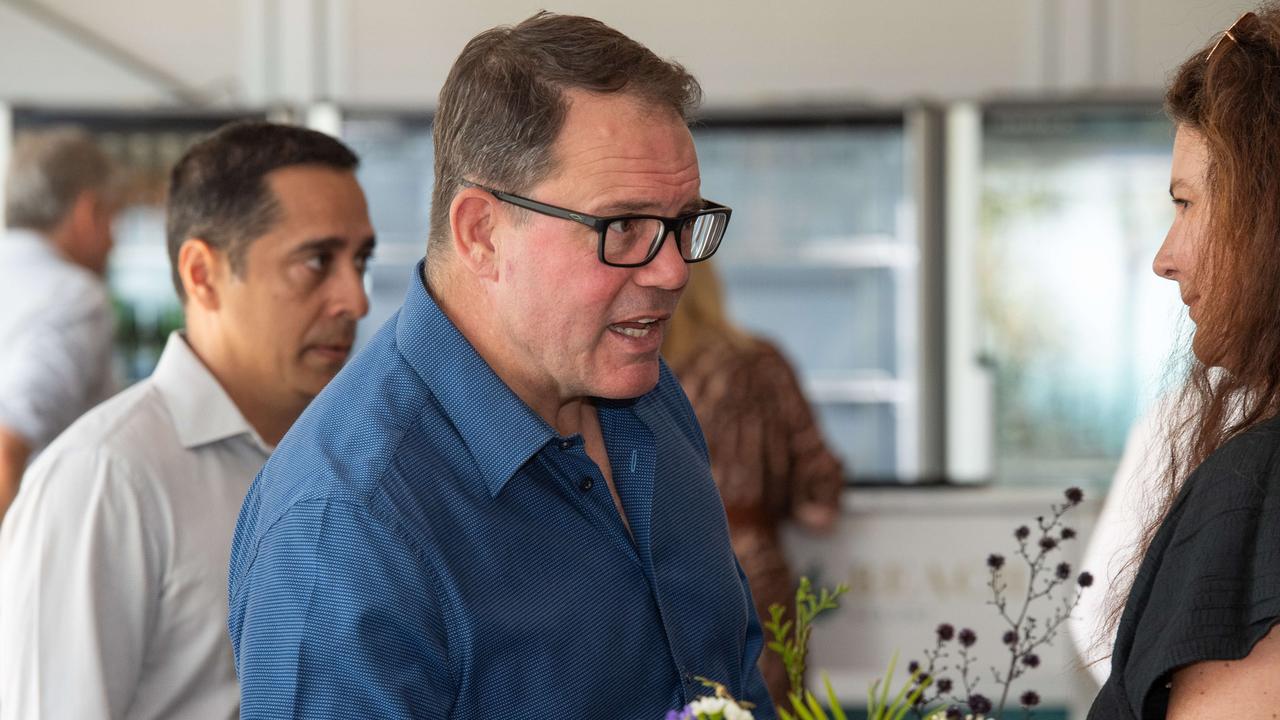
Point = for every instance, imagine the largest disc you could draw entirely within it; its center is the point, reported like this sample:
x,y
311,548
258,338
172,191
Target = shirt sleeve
x,y
80,568
333,618
61,370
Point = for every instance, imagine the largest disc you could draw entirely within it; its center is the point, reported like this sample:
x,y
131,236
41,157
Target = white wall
x,y
746,52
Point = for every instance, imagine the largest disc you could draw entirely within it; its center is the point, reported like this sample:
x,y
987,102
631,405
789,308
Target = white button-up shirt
x,y
113,558
55,339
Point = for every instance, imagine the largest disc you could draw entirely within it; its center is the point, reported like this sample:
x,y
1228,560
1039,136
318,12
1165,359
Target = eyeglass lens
x,y
631,240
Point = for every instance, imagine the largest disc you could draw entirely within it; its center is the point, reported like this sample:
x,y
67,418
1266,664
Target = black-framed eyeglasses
x,y
634,240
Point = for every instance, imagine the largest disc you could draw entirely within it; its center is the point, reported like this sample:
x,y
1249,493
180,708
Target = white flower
x,y
708,705
723,707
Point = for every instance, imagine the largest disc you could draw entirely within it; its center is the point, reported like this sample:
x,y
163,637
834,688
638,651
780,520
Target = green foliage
x,y
791,642
879,707
808,708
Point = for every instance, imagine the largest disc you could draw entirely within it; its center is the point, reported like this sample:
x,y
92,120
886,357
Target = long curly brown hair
x,y
1232,100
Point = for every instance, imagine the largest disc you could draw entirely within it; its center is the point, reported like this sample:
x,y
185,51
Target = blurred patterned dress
x,y
768,459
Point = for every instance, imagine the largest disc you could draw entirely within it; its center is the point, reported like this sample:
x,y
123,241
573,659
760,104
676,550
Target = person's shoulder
x,y
766,355
1246,465
132,425
1254,449
110,451
54,294
76,289
348,438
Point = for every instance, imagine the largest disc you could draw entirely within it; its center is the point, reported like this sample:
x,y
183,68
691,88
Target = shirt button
x,y
564,444
586,484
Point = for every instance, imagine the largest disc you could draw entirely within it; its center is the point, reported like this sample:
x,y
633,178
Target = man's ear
x,y
202,269
473,215
83,217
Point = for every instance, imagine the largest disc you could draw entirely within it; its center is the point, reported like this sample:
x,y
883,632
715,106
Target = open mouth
x,y
638,328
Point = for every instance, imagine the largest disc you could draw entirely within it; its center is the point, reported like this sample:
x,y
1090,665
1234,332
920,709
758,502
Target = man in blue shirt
x,y
502,508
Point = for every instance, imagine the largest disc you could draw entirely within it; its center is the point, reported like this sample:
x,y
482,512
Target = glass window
x,y
821,258
1075,327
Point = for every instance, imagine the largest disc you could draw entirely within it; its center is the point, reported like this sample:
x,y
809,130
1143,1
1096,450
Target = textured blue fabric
x,y
422,545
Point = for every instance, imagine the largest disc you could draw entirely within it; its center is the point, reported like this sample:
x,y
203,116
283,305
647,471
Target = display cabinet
x,y
1059,331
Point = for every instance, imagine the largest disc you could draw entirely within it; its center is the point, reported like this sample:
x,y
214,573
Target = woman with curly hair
x,y
1195,636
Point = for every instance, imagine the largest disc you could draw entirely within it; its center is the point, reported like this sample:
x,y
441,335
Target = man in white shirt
x,y
56,327
113,561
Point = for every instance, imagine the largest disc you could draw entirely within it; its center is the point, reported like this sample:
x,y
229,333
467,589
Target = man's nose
x,y
667,270
350,296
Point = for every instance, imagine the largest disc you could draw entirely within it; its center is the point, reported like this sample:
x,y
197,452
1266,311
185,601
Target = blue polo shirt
x,y
422,545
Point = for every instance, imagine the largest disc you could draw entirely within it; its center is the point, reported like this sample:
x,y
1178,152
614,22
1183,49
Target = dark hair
x,y
218,190
502,106
1229,99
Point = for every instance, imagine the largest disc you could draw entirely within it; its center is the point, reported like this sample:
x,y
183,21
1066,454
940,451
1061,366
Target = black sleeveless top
x,y
1209,586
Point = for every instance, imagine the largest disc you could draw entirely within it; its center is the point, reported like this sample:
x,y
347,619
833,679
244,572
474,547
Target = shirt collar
x,y
30,241
202,411
501,432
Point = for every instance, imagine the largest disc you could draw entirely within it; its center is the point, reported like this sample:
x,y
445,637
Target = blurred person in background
x,y
113,560
1196,636
767,453
57,322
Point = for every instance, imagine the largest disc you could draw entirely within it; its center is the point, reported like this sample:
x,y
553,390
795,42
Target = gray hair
x,y
503,104
48,170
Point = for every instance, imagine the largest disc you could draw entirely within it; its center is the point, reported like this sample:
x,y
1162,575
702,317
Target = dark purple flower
x,y
979,704
1048,543
1010,637
954,713
944,685
968,637
1085,579
1031,660
1022,533
1063,571
995,562
946,632
913,667
1074,495
1030,699
1068,533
